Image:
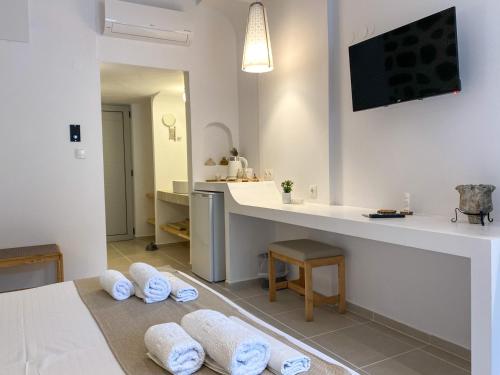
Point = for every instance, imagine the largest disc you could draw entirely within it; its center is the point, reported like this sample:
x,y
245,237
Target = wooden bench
x,y
32,255
307,254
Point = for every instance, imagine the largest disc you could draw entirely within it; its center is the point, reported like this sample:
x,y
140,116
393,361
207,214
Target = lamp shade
x,y
257,54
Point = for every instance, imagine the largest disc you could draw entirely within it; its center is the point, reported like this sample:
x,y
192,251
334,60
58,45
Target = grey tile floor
x,y
367,347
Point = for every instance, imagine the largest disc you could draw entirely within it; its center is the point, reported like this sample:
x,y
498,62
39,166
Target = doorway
x,y
145,123
118,172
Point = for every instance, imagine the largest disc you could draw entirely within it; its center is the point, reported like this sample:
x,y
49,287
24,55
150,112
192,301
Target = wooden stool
x,y
33,254
307,254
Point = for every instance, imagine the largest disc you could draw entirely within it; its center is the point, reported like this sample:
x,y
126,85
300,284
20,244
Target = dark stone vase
x,y
475,199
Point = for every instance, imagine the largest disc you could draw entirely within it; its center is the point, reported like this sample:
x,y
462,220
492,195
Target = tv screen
x,y
415,61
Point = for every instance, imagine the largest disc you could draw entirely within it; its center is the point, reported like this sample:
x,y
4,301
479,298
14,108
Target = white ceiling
x,y
126,84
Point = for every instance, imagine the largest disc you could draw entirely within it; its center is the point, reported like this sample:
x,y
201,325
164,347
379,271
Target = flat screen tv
x,y
412,62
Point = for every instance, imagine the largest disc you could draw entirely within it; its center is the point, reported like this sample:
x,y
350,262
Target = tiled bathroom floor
x,y
365,346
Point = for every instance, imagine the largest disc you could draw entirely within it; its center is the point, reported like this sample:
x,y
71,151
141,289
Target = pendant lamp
x,y
257,53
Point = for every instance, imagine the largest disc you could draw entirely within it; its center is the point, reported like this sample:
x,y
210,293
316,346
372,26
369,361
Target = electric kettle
x,y
236,164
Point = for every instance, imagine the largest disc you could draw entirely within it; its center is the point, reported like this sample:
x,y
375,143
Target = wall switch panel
x,y
80,153
74,133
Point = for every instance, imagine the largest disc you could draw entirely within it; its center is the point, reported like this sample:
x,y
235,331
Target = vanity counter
x,y
434,233
437,234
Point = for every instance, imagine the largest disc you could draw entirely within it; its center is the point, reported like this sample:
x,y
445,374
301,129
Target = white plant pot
x,y
287,198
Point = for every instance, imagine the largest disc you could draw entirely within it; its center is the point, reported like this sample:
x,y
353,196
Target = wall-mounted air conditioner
x,y
141,22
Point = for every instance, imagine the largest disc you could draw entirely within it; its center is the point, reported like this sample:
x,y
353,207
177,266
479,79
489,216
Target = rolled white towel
x,y
284,359
152,286
235,348
170,347
117,285
181,291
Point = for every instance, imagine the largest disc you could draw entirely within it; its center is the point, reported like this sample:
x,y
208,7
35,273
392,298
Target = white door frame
x,y
129,181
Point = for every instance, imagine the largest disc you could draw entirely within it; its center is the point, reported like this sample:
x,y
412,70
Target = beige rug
x,y
124,324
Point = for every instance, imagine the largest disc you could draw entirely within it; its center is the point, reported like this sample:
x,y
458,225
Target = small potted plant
x,y
287,187
234,153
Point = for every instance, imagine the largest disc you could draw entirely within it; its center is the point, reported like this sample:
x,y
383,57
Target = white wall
x,y
293,99
448,139
46,195
170,156
143,164
371,158
429,146
424,147
248,85
170,160
248,91
14,20
211,64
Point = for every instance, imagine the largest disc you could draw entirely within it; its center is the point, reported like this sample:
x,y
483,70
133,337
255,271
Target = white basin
x,y
180,187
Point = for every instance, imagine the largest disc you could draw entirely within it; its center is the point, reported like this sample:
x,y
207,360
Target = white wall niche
x,y
218,141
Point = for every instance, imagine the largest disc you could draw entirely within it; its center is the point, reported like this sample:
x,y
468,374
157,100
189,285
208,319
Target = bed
x,y
76,328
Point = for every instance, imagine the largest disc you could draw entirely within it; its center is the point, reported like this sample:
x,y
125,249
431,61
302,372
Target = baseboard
x,y
232,282
424,337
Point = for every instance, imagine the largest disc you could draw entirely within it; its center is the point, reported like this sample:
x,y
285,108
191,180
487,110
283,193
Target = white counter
x,y
175,198
432,233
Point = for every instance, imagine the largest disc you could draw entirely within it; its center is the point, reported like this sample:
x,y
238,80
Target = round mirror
x,y
168,120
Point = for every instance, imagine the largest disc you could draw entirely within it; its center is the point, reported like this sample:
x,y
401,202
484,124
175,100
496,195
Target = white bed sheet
x,y
49,330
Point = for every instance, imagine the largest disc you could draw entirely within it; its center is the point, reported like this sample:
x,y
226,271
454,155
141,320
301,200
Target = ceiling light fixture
x,y
257,53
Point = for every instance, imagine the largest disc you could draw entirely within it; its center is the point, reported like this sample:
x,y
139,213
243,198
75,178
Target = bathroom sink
x,y
180,187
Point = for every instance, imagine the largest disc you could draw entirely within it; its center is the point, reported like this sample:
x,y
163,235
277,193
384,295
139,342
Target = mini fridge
x,y
208,250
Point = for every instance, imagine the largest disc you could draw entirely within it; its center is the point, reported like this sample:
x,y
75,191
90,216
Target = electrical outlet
x,y
313,191
268,175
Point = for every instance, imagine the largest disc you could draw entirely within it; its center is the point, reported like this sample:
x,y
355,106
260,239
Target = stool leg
x,y
60,271
301,276
308,291
272,278
341,283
